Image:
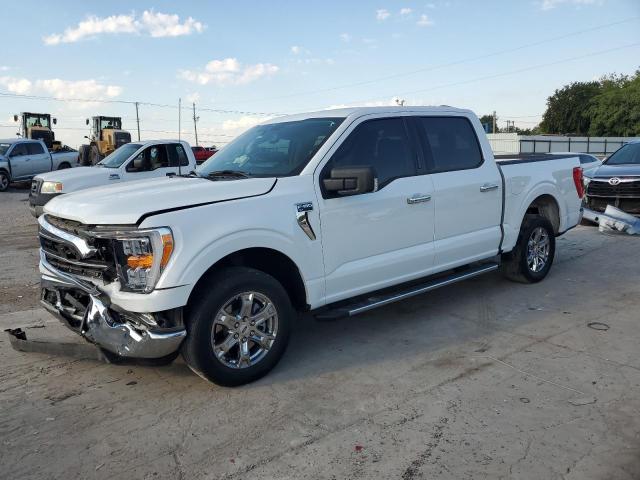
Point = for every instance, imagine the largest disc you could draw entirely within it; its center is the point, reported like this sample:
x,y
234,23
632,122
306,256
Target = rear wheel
x,y
238,329
4,180
84,156
532,257
64,166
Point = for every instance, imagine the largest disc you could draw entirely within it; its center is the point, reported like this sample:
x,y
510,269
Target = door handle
x,y
487,187
418,199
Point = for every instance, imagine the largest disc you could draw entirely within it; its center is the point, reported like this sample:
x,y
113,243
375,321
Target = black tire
x,y
94,155
5,180
221,287
515,265
84,156
64,166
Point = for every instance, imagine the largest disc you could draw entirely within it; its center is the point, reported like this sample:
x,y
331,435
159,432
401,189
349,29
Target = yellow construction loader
x,y
106,136
37,126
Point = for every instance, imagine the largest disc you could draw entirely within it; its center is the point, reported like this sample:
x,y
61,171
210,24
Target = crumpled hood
x,y
608,171
126,203
74,179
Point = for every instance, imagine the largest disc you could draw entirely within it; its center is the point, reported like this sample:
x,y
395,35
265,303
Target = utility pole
x,y
195,122
494,122
138,121
179,116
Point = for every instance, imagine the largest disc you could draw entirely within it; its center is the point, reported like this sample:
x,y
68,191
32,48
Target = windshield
x,y
273,150
4,147
118,157
35,120
628,154
114,123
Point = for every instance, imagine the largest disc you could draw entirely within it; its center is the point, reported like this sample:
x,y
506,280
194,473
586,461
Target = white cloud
x,y
424,21
87,89
16,85
228,71
405,11
345,37
296,50
90,89
4,68
551,4
149,23
168,25
382,14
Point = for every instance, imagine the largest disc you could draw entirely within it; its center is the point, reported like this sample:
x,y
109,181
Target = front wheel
x,y
238,326
532,257
4,181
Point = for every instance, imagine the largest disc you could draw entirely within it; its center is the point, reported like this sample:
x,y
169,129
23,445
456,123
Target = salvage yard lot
x,y
483,379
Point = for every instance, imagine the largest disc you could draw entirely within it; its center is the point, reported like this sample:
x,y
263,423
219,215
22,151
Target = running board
x,y
369,302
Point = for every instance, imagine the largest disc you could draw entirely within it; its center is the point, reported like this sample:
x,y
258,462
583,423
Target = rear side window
x,y
587,159
34,149
451,143
177,155
382,144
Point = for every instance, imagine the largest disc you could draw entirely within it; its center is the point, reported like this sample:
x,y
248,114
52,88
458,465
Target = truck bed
x,y
530,157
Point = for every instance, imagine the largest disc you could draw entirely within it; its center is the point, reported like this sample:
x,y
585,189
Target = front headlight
x,y
51,187
141,256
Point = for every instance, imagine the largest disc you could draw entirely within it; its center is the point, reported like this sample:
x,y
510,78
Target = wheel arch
x,y
547,206
267,260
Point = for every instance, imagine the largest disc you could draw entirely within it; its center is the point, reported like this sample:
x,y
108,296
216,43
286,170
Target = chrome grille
x,y
65,256
602,188
35,186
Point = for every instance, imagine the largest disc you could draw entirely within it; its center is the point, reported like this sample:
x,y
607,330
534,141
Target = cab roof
x,y
361,111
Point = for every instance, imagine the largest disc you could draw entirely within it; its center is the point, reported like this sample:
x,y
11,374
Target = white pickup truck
x,y
132,161
22,158
336,212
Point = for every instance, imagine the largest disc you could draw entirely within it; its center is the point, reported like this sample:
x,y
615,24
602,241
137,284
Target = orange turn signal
x,y
167,249
142,261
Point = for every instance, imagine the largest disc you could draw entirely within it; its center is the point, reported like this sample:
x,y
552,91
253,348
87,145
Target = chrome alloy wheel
x,y
244,330
538,248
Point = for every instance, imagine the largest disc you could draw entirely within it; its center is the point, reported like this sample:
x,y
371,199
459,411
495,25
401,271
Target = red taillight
x,y
579,181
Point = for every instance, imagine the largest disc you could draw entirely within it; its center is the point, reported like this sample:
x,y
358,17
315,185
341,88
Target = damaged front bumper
x,y
89,312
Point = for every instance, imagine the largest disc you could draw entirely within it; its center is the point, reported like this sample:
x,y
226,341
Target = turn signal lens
x,y
167,249
143,261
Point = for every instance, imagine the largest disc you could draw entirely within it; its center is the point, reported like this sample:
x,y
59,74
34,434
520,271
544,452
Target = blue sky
x,y
281,57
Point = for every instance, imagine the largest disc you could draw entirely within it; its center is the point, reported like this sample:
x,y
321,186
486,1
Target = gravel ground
x,y
483,379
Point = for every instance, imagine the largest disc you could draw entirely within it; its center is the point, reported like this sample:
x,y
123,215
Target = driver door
x,y
385,237
153,162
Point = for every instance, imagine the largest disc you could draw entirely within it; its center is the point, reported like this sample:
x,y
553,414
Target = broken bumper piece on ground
x,y
614,220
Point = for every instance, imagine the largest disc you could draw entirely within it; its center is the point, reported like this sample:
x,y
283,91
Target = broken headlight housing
x,y
141,257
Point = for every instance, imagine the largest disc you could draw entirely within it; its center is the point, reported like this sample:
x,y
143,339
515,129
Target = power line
x,y
504,74
130,102
440,66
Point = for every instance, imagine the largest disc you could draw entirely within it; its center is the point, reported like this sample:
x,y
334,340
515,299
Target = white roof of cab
x,y
360,111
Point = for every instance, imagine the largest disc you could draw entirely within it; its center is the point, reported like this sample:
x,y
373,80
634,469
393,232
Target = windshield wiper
x,y
228,173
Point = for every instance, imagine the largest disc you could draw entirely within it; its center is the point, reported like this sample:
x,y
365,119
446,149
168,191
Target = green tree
x,y
567,108
616,110
488,119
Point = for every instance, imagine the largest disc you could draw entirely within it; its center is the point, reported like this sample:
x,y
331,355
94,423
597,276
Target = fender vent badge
x,y
302,216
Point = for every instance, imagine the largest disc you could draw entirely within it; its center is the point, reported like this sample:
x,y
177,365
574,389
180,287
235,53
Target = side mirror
x,y
350,181
86,137
55,121
87,122
15,118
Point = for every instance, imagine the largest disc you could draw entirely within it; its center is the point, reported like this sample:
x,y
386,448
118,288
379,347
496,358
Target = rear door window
x,y
35,148
382,144
177,155
450,143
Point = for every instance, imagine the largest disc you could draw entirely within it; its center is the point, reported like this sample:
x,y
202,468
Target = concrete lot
x,y
484,379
